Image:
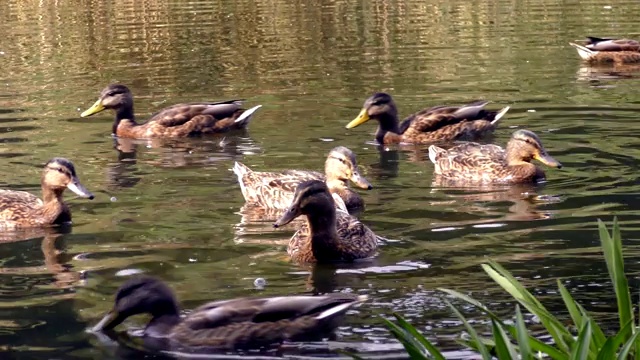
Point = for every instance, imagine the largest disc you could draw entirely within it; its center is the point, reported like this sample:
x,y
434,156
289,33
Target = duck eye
x,y
60,170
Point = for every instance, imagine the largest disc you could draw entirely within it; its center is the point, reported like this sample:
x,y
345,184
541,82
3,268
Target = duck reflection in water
x,y
170,153
55,260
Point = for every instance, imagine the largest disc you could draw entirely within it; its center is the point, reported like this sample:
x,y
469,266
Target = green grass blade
x,y
482,349
504,348
612,248
471,301
435,353
410,345
556,329
522,335
571,304
581,347
633,340
536,344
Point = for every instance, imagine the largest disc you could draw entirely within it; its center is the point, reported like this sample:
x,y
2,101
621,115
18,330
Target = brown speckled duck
x,y
22,209
330,234
274,190
609,51
227,324
438,123
181,120
476,163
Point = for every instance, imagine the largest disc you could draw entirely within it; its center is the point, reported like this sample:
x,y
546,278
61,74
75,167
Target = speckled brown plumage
x,y
181,120
274,190
228,324
609,51
438,123
330,234
22,209
476,163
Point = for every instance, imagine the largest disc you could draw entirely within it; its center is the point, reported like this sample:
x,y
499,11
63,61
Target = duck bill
x,y
96,108
548,160
108,322
362,118
360,181
79,189
287,217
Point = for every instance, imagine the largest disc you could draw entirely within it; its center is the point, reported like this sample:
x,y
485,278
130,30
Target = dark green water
x,y
172,210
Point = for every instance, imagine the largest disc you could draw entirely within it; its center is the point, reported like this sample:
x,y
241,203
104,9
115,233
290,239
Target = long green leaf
x,y
556,329
571,305
472,332
581,347
504,348
627,346
610,347
612,248
536,344
522,336
435,353
410,346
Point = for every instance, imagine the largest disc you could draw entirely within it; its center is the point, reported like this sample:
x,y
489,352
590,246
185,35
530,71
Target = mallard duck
x,y
22,209
274,190
438,123
604,51
176,121
330,234
473,162
227,324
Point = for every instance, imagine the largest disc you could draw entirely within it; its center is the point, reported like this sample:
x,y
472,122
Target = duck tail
x,y
500,114
241,170
584,52
245,117
434,153
341,308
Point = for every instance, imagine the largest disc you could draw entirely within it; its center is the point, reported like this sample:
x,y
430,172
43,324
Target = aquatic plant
x,y
513,341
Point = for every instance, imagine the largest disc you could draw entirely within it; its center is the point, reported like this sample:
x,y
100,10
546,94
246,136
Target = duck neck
x,y
335,184
53,204
322,224
161,325
124,113
387,122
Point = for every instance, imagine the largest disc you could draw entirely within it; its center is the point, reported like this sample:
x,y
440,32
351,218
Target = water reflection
x,y
52,248
485,201
170,153
597,74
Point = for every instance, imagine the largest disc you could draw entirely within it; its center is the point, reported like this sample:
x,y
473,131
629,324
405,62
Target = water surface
x,y
172,209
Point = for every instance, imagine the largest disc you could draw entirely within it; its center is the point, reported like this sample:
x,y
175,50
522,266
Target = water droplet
x,y
259,283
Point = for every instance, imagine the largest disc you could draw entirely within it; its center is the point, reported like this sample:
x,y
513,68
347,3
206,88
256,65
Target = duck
x,y
609,51
241,323
275,190
330,234
20,209
488,163
177,121
438,123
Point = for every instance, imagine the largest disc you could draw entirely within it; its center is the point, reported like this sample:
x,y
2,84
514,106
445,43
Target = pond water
x,y
172,209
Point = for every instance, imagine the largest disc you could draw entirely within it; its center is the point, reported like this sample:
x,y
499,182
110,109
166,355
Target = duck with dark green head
x,y
245,323
435,124
330,234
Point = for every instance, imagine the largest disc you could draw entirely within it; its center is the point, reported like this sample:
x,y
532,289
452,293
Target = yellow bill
x,y
96,108
362,118
548,160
